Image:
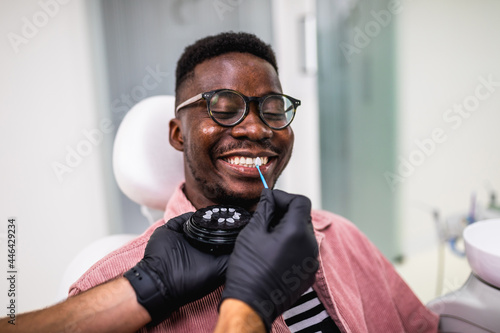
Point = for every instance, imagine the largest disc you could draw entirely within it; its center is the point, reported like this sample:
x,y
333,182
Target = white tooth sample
x,y
258,161
231,210
229,220
249,161
207,217
223,209
220,220
215,210
209,212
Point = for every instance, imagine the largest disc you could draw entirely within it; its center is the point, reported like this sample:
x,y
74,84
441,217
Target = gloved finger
x,y
265,209
296,210
176,223
291,202
222,262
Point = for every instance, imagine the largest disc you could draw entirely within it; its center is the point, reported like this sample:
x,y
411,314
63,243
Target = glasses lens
x,y
278,111
227,107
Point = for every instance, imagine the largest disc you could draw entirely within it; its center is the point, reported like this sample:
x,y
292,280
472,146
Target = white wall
x,y
444,48
48,97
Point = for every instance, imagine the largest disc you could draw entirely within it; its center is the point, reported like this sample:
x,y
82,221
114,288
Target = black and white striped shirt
x,y
309,315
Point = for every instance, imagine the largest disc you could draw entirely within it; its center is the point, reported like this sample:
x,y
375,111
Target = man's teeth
x,y
245,161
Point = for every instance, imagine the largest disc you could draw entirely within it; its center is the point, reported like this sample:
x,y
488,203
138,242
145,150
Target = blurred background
x,y
398,128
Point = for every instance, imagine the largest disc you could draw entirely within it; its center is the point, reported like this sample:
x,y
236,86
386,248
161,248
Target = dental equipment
x,y
474,307
214,229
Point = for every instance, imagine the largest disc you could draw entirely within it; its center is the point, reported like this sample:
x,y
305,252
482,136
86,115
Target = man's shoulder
x,y
336,229
323,220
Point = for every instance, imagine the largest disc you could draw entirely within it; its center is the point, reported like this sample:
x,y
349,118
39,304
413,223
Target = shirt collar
x,y
178,203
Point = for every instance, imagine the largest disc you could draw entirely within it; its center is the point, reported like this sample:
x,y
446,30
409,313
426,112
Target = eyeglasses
x,y
228,107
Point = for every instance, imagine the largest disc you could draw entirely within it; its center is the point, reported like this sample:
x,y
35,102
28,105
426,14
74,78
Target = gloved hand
x,y
174,273
274,260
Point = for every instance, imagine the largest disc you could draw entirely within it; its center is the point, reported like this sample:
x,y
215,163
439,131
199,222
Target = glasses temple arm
x,y
189,101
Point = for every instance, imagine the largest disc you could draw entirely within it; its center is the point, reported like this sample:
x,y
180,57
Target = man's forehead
x,y
234,69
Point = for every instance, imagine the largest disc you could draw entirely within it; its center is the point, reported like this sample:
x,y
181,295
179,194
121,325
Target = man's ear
x,y
175,134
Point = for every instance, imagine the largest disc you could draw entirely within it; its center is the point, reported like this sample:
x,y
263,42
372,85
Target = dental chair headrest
x,y
146,167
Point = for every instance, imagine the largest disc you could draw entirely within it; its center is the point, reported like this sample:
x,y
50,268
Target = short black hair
x,y
213,46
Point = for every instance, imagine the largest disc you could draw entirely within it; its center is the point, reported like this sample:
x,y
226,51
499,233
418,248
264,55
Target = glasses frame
x,y
207,96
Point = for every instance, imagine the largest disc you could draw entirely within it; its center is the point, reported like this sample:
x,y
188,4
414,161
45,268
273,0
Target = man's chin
x,y
245,200
248,203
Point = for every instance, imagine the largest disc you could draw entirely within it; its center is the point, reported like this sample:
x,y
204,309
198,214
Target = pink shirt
x,y
358,286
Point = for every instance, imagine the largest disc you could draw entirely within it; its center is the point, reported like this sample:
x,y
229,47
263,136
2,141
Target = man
x,y
227,96
355,283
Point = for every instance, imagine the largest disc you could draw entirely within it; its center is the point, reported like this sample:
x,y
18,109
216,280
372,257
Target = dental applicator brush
x,y
258,163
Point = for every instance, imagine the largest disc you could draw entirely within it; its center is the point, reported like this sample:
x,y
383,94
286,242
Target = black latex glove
x,y
174,273
274,260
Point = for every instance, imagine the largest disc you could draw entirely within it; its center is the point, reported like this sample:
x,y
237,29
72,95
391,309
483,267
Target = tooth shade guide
x,y
220,217
218,234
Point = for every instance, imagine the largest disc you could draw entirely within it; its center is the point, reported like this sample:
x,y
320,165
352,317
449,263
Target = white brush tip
x,y
258,161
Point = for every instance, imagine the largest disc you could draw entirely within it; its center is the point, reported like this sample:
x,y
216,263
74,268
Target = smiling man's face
x,y
211,151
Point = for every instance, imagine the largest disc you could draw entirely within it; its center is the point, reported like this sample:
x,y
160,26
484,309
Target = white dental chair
x,y
147,170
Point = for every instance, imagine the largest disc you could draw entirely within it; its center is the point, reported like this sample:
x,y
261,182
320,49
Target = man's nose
x,y
252,127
